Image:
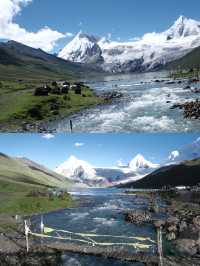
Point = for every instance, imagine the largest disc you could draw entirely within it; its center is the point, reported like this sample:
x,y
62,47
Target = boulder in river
x,y
138,217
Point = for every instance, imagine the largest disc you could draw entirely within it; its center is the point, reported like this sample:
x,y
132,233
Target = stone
x,y
187,246
171,236
196,221
182,226
172,228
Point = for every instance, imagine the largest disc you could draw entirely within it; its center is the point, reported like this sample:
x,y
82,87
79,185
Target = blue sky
x,y
122,19
98,149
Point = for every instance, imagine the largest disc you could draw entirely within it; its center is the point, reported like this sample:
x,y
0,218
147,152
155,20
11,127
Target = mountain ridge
x,y
21,61
150,52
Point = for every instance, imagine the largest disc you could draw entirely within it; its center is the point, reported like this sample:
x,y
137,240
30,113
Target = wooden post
x,y
26,229
159,244
71,126
41,228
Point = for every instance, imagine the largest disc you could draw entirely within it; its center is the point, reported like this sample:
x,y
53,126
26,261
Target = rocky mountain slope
x,y
20,61
189,61
184,174
151,51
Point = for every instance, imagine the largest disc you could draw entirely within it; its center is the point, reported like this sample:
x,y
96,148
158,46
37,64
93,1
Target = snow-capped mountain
x,y
139,162
146,53
83,48
188,152
80,172
83,173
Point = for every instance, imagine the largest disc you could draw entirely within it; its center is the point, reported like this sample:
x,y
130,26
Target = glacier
x,y
149,52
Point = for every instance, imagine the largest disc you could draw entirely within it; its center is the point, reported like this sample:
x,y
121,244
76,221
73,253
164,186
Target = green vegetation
x,y
23,172
187,66
27,188
192,73
18,104
22,203
18,61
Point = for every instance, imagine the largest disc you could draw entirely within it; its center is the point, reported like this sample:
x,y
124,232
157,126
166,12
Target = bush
x,y
36,112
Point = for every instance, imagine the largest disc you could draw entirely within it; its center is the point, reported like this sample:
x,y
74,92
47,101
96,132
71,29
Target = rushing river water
x,y
101,212
145,107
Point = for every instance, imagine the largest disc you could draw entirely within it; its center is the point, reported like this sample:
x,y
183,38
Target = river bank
x,y
23,109
147,105
180,228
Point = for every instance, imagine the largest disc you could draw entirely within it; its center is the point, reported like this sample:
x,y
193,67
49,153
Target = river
x,y
101,212
145,107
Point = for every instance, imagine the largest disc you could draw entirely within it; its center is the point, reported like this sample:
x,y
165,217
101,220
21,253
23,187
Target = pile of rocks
x,y
191,109
138,217
184,231
112,95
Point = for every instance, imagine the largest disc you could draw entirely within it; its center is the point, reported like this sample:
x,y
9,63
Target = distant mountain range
x,y
22,172
181,168
84,174
183,174
20,62
87,55
152,51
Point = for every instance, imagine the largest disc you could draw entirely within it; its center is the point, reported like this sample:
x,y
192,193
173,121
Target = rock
x,y
138,217
170,82
196,90
187,88
171,236
114,95
172,228
187,246
182,226
191,109
196,221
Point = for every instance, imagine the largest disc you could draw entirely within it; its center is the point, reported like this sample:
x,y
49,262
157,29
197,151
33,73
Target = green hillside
x,y
18,61
26,188
184,174
189,61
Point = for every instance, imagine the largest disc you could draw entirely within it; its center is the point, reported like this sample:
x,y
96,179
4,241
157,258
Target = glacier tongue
x,y
146,53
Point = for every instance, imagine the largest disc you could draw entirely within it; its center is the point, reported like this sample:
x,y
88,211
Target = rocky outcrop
x,y
138,217
191,109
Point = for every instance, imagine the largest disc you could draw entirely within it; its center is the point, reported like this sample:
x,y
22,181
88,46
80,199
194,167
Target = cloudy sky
x,y
50,24
98,149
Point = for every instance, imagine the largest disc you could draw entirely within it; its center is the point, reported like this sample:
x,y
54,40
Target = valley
x,y
115,212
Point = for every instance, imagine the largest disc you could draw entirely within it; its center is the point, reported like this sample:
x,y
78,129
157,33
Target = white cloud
x,y
45,38
79,144
48,136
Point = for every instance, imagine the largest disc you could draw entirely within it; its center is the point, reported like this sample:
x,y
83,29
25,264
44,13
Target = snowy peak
x,y
139,162
183,27
146,53
82,49
81,172
76,169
